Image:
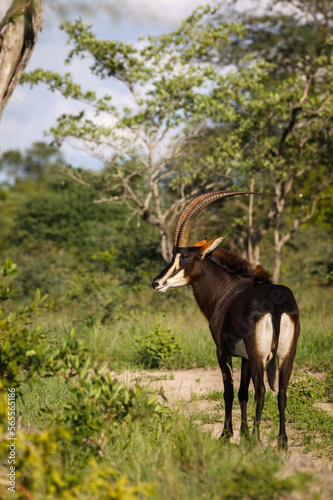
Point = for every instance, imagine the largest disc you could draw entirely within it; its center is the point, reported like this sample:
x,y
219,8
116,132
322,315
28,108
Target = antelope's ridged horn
x,y
193,209
184,213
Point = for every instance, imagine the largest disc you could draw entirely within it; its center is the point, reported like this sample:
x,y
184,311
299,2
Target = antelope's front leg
x,y
225,362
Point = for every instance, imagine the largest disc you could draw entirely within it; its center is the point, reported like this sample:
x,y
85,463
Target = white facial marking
x,y
287,330
240,349
264,336
172,268
169,280
178,280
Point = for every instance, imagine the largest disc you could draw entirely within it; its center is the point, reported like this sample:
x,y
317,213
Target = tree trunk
x,y
18,36
250,224
256,253
253,237
166,243
277,256
165,234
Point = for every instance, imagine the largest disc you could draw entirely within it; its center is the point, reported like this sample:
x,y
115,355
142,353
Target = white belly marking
x,y
240,349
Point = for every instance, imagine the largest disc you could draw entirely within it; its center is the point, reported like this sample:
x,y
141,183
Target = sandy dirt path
x,y
183,388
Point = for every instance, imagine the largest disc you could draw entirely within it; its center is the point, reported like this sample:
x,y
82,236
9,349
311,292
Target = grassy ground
x,y
179,461
119,341
165,454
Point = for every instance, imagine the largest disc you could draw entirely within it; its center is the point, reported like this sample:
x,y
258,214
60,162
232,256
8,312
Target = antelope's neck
x,y
214,285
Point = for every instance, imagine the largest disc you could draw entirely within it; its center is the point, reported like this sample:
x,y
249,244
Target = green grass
x,y
315,345
170,450
120,342
42,393
117,341
185,463
307,424
313,426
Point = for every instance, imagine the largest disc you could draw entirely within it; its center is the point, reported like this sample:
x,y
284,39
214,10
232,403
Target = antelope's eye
x,y
183,258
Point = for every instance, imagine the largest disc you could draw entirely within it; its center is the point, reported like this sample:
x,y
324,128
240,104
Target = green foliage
x,y
8,268
159,346
93,401
94,397
22,346
39,471
65,235
63,215
105,483
329,385
37,163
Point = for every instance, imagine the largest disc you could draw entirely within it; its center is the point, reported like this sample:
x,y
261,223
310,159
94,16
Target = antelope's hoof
x,y
282,443
226,435
245,432
255,437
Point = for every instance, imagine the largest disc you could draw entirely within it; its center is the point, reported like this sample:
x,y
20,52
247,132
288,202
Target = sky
x,y
31,112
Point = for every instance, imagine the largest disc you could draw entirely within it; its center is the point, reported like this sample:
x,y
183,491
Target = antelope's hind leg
x,y
259,395
286,354
284,376
243,396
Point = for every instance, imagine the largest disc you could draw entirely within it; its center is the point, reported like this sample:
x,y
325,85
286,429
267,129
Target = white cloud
x,y
166,11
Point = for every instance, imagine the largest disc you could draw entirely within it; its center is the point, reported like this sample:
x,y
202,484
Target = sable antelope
x,y
248,315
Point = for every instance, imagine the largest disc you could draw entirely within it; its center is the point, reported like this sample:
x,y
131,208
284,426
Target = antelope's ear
x,y
200,243
211,245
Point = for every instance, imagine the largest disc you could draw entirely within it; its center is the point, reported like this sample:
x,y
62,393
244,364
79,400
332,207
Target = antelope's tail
x,y
271,365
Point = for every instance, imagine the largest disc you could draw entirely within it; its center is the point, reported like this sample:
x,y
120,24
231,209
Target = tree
x,y
141,140
37,163
193,125
280,139
18,36
275,129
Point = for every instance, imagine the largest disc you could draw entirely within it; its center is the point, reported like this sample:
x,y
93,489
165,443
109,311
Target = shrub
x,y
41,473
94,397
23,348
159,346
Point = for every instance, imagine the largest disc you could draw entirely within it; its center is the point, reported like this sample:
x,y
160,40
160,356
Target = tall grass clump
x,y
315,345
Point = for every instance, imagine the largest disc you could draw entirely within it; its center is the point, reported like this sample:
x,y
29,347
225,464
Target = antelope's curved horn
x,y
193,209
184,213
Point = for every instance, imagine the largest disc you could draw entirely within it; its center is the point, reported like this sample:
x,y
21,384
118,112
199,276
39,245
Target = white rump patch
x,y
287,331
264,336
240,349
